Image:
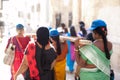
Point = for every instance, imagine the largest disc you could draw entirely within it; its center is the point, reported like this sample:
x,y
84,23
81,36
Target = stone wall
x,y
108,10
115,58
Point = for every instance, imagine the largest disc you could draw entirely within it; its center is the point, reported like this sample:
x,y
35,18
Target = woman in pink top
x,y
20,42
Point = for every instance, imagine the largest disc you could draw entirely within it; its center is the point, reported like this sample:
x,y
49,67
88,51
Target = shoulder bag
x,y
9,54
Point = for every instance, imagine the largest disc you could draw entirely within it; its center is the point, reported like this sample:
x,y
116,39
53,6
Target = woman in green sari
x,y
94,59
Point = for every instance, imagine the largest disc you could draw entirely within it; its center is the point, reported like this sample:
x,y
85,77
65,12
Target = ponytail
x,y
43,57
102,31
105,46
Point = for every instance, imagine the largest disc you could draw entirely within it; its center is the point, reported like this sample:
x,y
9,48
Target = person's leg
x,y
71,66
70,63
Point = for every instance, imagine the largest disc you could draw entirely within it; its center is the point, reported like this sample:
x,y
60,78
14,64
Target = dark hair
x,y
90,37
102,31
58,44
84,32
43,40
82,28
82,23
62,25
73,31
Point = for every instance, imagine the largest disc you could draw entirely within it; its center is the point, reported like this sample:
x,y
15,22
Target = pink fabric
x,y
72,52
18,53
34,73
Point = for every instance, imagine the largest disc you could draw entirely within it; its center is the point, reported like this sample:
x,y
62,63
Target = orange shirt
x,y
64,51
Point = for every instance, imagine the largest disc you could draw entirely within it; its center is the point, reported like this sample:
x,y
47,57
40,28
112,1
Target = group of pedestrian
x,y
46,57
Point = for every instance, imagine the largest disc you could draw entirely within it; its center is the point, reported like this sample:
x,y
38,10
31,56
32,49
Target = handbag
x,y
9,54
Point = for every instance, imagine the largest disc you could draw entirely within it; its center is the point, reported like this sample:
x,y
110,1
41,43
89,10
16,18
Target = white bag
x,y
9,55
20,77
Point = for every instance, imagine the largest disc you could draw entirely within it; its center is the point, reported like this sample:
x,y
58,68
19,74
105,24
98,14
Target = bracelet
x,y
76,50
77,47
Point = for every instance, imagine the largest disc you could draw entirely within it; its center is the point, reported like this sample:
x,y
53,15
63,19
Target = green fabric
x,y
98,75
88,61
99,56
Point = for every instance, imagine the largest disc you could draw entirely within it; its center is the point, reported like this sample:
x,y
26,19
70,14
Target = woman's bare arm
x,y
23,67
53,64
81,62
77,71
90,66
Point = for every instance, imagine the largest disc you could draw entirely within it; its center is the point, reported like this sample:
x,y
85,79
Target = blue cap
x,y
54,32
97,23
19,26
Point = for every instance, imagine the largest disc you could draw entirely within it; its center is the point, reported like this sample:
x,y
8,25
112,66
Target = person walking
x,y
61,49
20,41
83,31
94,59
71,54
39,59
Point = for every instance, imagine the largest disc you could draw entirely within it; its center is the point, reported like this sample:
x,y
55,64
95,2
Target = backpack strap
x,y
19,44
